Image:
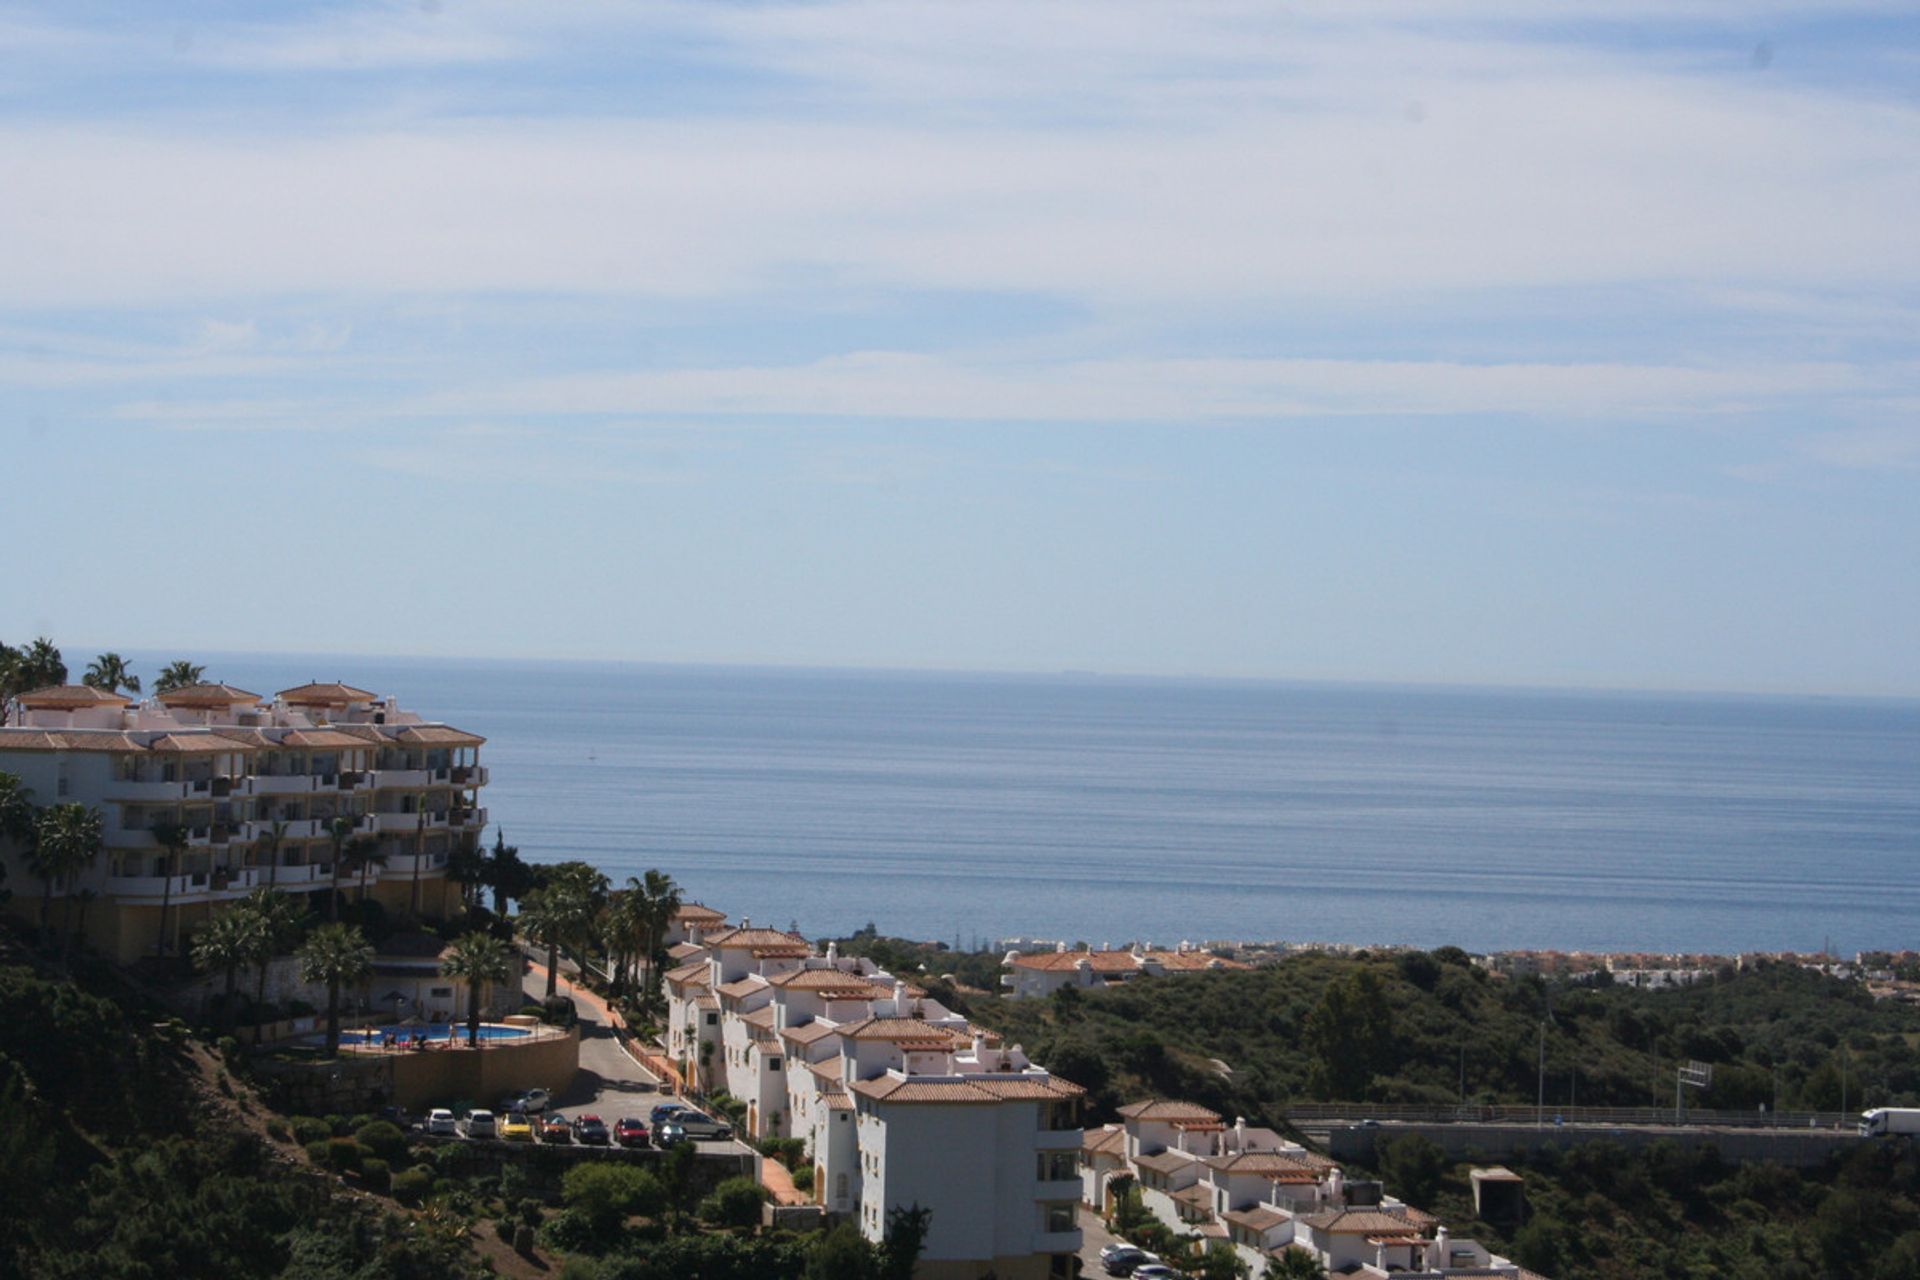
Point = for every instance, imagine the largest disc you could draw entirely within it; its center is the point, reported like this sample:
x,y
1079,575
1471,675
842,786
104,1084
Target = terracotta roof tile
x,y
698,911
1258,1218
17,739
950,1091
749,938
324,695
71,697
211,696
824,980
1368,1222
1110,1140
694,974
682,951
810,1033
904,1030
744,987
1274,1164
190,743
1167,1109
321,738
438,735
1166,1161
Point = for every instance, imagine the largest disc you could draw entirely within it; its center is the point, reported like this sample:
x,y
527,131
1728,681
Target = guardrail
x,y
1528,1114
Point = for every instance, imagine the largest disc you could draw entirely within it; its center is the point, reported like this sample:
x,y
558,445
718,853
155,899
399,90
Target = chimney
x,y
1439,1259
833,954
745,923
1060,947
1239,1133
899,998
979,1046
1335,1192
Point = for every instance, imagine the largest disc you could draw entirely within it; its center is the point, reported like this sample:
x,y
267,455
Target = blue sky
x,y
1470,340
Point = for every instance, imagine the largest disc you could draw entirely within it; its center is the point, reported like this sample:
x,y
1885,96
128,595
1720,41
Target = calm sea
x,y
980,807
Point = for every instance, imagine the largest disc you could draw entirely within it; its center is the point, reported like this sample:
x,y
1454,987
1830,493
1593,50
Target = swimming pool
x,y
435,1032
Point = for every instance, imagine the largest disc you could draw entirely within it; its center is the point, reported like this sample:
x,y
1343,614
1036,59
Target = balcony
x,y
1057,1241
145,792
125,838
1059,1189
402,823
402,866
401,778
467,819
292,877
156,887
352,779
1057,1140
279,784
290,829
469,775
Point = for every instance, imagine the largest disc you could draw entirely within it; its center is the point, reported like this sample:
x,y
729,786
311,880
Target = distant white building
x,y
1041,973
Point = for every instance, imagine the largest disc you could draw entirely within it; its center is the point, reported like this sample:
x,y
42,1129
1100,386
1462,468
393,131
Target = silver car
x,y
478,1124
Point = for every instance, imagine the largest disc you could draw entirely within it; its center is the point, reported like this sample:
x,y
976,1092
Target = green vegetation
x,y
1417,1027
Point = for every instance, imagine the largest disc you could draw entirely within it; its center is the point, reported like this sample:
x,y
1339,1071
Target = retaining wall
x,y
1794,1148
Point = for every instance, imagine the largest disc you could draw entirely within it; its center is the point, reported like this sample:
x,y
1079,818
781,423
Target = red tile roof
x,y
70,697
1167,1109
944,1090
324,695
213,696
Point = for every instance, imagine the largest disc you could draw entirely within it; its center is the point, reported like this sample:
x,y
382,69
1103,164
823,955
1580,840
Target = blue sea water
x,y
984,806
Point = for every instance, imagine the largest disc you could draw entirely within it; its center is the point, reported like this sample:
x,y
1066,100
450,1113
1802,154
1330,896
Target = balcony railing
x,y
154,887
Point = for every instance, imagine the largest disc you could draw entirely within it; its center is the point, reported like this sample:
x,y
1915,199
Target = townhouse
x,y
1262,1194
1041,973
900,1101
254,786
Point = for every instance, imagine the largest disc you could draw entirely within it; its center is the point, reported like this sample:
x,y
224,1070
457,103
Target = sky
x,y
1564,342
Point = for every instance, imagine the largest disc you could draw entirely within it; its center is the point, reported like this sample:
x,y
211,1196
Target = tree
x,y
1293,1263
735,1202
553,916
481,959
224,943
36,666
273,919
660,902
906,1236
172,837
843,1254
178,675
364,854
340,832
276,836
1348,1033
109,672
67,840
607,1193
1413,1165
16,809
506,874
468,865
337,955
1220,1262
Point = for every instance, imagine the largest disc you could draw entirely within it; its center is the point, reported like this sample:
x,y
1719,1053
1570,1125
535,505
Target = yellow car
x,y
515,1127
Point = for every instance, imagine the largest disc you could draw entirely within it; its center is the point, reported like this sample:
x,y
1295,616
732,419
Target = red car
x,y
554,1128
629,1132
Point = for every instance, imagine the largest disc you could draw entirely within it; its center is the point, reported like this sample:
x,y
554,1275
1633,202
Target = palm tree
x,y
336,954
41,665
506,875
419,849
467,865
340,831
173,838
225,943
273,920
16,809
660,898
109,672
276,836
86,898
66,841
481,959
364,854
551,916
178,675
1294,1263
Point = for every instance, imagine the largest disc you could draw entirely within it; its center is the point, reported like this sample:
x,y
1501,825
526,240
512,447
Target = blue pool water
x,y
438,1031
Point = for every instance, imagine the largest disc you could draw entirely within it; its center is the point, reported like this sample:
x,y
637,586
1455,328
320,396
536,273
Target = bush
x,y
317,1151
734,1203
376,1174
605,1193
306,1129
339,1126
523,1240
504,1228
571,1231
277,1130
344,1155
803,1178
410,1186
382,1138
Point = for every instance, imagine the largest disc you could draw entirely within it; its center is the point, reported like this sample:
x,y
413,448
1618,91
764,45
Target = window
x,y
1059,1218
773,1064
440,992
840,1184
712,1018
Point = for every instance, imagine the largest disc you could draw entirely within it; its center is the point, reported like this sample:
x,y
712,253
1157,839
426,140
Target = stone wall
x,y
1799,1149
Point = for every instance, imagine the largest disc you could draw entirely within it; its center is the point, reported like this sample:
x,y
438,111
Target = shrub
x,y
339,1126
530,1211
382,1138
277,1130
605,1193
410,1186
734,1203
306,1129
571,1231
317,1151
504,1228
803,1178
344,1154
523,1240
376,1174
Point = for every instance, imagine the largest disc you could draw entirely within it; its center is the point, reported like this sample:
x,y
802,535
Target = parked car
x,y
701,1127
554,1128
667,1135
478,1124
516,1127
534,1101
395,1115
629,1131
666,1111
440,1120
1126,1259
591,1131
1155,1271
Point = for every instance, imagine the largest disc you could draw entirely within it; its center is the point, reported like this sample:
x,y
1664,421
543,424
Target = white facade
x,y
235,771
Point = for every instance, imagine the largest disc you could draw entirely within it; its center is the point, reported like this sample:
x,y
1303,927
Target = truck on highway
x,y
1882,1121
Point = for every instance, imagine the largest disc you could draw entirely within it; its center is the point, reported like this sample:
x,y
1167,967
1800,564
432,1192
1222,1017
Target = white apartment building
x,y
900,1100
1263,1193
255,783
1041,973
